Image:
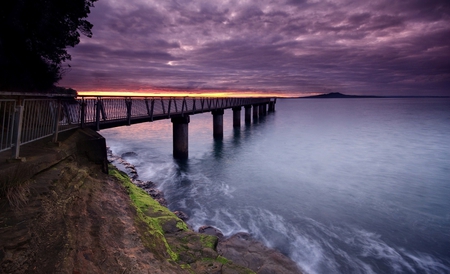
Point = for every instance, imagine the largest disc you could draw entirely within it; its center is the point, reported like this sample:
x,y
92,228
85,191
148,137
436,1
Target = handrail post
x,y
168,108
57,118
128,103
17,132
83,112
162,104
146,106
175,103
150,109
182,106
97,114
102,110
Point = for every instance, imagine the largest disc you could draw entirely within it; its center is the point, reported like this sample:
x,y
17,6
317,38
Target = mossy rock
x,y
169,238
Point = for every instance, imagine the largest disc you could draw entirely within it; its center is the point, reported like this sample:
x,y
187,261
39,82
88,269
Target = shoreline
x,y
242,248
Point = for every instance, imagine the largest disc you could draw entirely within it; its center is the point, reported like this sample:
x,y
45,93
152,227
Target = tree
x,y
34,35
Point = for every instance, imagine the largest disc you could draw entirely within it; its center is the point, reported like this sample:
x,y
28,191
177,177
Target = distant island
x,y
340,95
333,95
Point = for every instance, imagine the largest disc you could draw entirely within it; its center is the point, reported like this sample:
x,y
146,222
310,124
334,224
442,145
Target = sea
x,y
338,185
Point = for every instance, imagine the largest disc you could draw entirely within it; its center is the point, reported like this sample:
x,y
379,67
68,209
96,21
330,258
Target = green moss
x,y
208,241
146,207
222,260
179,245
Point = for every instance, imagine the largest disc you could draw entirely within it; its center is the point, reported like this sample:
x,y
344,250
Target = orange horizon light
x,y
211,93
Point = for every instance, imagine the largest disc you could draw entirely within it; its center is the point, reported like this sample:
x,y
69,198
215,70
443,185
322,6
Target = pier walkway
x,y
25,118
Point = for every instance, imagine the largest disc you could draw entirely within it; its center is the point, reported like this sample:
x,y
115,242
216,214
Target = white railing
x,y
7,108
26,120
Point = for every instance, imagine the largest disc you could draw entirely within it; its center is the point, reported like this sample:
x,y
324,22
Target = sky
x,y
286,47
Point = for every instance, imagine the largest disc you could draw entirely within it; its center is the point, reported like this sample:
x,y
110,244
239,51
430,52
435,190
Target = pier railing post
x,y
97,114
82,112
56,122
180,137
128,103
17,131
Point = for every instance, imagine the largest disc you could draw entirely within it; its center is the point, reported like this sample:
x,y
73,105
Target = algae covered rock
x,y
169,237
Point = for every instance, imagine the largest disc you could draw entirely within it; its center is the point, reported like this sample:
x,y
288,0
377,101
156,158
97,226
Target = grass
x,y
15,187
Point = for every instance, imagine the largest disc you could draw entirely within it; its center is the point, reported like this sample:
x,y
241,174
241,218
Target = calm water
x,y
339,185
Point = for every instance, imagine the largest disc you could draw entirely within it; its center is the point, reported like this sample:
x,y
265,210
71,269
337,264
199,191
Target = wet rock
x,y
210,230
145,184
242,249
180,214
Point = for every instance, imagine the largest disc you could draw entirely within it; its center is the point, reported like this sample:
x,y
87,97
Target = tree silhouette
x,y
34,35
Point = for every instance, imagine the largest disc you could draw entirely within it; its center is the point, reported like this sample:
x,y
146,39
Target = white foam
x,y
372,246
429,264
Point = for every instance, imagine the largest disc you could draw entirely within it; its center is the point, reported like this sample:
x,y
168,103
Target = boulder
x,y
210,230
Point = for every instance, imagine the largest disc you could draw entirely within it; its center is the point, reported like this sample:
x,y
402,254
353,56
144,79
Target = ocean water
x,y
338,185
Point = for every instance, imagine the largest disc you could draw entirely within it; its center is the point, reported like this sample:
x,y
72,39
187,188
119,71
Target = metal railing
x,y
7,109
99,111
26,120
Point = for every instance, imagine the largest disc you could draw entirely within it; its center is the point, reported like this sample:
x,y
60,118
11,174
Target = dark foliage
x,y
34,35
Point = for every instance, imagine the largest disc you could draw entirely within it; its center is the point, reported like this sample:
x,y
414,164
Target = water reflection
x,y
218,148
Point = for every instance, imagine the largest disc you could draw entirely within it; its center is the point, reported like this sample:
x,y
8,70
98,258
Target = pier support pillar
x,y
236,116
271,106
248,114
261,109
217,123
255,112
180,137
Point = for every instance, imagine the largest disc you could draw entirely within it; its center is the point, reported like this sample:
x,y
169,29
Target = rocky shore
x,y
241,248
75,218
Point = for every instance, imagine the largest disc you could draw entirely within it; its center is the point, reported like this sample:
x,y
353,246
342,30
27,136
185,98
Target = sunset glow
x,y
264,48
191,94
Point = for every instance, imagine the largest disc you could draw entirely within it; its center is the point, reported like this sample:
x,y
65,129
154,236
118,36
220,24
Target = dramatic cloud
x,y
297,46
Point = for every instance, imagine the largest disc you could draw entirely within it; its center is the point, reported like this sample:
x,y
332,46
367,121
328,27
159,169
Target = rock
x,y
144,184
180,214
129,154
210,230
242,249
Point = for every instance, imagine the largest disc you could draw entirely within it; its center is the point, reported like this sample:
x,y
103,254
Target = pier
x,y
25,118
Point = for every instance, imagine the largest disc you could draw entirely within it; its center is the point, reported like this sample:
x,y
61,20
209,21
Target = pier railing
x,y
27,119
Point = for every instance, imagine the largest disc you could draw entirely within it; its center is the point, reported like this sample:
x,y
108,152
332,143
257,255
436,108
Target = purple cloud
x,y
356,47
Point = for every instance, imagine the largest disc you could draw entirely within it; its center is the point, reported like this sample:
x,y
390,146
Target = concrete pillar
x,y
217,123
236,116
255,112
271,106
261,110
248,114
180,137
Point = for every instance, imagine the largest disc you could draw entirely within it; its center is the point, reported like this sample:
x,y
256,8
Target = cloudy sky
x,y
380,47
